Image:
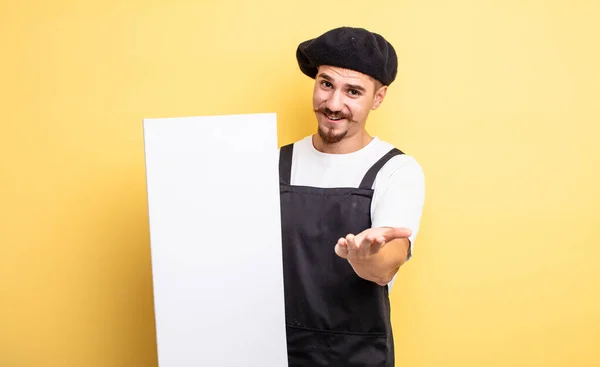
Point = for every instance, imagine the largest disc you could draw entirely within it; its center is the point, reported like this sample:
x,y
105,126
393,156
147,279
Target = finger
x,y
341,248
352,247
378,244
395,233
364,248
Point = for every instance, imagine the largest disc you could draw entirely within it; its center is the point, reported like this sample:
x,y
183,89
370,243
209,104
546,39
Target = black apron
x,y
333,317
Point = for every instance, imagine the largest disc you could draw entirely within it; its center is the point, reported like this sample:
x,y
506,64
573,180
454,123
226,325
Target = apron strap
x,y
369,179
285,164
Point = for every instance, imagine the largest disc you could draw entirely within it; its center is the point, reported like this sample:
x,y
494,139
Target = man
x,y
351,206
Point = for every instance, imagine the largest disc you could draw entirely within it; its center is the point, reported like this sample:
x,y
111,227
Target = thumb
x,y
396,232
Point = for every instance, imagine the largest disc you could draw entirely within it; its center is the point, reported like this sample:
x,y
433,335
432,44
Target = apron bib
x,y
333,317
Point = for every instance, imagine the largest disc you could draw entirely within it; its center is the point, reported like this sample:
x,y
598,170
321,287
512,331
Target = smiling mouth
x,y
334,118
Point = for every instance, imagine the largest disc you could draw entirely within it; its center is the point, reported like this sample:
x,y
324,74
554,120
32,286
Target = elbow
x,y
384,280
383,283
378,279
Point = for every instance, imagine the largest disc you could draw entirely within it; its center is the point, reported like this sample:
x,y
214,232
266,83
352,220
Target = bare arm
x,y
383,266
376,254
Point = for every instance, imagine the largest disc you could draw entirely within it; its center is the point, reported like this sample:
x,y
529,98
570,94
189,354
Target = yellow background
x,y
498,100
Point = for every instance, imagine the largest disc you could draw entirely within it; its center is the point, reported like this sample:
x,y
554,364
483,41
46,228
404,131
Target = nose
x,y
335,102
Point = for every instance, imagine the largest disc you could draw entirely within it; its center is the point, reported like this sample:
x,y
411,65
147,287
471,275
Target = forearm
x,y
382,266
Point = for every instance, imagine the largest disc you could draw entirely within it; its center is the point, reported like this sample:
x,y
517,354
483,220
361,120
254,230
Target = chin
x,y
330,128
331,136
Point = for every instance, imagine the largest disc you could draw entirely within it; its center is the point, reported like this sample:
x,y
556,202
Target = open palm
x,y
368,242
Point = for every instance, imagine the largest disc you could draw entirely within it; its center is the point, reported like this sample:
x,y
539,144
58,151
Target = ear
x,y
378,97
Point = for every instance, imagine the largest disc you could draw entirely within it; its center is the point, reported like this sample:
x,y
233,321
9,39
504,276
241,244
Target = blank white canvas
x,y
215,232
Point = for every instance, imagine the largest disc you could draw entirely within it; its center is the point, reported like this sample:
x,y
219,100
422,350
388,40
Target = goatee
x,y
329,137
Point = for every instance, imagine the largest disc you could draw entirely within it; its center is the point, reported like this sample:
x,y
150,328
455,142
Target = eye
x,y
326,84
354,92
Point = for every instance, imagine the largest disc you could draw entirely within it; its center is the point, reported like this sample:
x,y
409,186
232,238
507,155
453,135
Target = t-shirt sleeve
x,y
399,196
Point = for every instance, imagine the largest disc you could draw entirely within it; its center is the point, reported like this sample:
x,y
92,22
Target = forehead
x,y
343,75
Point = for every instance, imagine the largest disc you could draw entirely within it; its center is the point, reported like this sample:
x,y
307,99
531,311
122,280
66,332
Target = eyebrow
x,y
351,86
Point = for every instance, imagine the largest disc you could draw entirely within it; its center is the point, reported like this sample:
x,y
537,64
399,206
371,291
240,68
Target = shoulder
x,y
400,168
297,145
403,162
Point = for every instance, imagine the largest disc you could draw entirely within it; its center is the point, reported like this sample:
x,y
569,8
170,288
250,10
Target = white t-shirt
x,y
399,187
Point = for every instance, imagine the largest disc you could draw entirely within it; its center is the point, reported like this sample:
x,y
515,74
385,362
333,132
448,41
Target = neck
x,y
347,145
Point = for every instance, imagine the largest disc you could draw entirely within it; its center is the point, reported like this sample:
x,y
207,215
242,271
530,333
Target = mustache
x,y
338,114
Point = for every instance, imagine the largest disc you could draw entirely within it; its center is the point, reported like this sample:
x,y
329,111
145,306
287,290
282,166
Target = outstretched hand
x,y
368,243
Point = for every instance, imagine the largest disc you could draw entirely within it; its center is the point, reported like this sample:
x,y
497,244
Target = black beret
x,y
350,48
